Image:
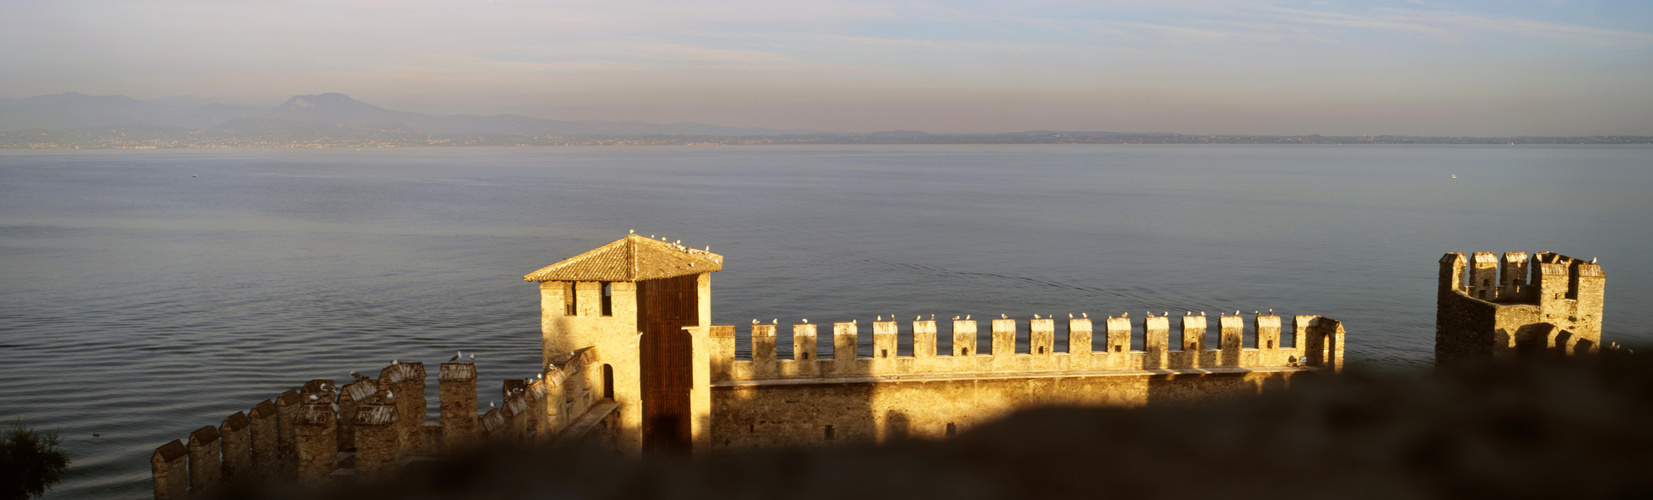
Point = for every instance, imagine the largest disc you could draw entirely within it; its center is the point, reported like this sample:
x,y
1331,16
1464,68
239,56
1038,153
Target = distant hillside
x,y
75,111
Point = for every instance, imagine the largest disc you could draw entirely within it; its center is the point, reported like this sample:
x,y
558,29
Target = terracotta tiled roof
x,y
633,258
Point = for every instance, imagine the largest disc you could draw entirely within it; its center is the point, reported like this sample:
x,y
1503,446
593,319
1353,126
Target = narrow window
x,y
608,299
1118,348
964,351
806,356
1271,344
828,433
1041,349
608,382
883,353
952,429
570,300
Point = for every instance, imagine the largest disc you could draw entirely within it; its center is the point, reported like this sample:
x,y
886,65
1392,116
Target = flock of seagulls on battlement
x,y
457,355
1081,315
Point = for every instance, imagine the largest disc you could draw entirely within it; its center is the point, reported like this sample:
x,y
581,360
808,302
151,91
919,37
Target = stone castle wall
x,y
1488,307
811,399
321,432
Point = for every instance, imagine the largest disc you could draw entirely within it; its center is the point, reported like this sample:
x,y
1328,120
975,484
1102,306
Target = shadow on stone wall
x,y
1545,428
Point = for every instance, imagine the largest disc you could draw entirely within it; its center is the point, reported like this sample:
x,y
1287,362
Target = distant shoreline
x,y
147,137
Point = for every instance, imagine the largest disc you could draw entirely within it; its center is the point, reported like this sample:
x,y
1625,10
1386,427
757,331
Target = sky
x,y
1482,68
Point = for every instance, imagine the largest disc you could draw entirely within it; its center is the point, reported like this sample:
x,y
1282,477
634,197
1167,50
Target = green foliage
x,y
30,462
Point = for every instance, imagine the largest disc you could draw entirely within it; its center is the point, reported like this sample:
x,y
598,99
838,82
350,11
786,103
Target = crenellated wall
x,y
845,397
1319,343
321,432
1487,307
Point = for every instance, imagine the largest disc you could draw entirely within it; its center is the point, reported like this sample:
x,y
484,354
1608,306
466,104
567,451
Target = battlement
x,y
1318,343
1518,278
319,431
1492,307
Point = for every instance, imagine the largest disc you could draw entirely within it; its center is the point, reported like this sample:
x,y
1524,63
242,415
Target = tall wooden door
x,y
666,306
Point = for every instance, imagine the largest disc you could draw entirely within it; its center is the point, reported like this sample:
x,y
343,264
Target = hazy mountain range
x,y
73,110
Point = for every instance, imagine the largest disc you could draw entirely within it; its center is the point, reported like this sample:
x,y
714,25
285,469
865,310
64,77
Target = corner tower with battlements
x,y
1487,307
641,304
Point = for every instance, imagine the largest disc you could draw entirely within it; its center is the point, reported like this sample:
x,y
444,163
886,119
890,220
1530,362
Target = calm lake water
x,y
140,303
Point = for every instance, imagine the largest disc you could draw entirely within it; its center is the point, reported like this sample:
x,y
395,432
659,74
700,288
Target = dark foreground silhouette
x,y
1577,428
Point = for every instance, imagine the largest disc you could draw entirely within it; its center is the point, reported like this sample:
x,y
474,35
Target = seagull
x,y
1086,315
393,361
455,357
920,317
1125,314
806,321
632,231
390,394
1271,311
775,321
1149,313
1254,313
1004,316
1035,315
967,317
754,321
880,318
539,376
1165,313
1202,313
852,321
473,357
1592,260
1236,312
492,405
679,243
955,317
1070,315
932,316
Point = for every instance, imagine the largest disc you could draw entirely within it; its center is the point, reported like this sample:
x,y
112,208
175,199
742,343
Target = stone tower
x,y
1516,306
644,305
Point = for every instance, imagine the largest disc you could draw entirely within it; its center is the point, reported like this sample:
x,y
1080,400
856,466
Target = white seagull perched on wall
x,y
754,321
455,357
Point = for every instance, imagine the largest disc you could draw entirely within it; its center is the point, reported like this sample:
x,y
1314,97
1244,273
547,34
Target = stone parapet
x,y
1112,352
